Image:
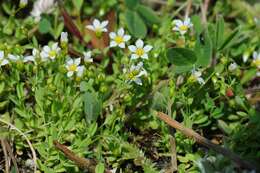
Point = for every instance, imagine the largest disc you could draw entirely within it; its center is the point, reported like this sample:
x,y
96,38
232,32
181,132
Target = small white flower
x,y
98,26
3,60
119,39
64,37
182,26
13,57
42,6
35,53
73,66
135,73
50,52
21,58
139,50
232,67
23,3
87,56
196,76
256,59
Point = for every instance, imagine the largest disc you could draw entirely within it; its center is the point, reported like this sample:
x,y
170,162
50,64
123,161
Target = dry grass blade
x,y
5,156
203,141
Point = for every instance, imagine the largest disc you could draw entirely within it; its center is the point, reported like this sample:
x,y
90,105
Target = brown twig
x,y
204,11
188,8
203,141
5,156
174,166
86,164
9,149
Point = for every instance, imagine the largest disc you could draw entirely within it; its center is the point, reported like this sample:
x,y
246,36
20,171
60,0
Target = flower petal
x,y
147,48
134,56
144,56
112,35
113,44
70,73
77,61
122,45
96,23
121,32
132,48
126,38
104,24
139,43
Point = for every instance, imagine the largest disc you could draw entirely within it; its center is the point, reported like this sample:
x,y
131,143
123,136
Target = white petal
x,y
139,43
104,24
90,27
121,32
77,61
126,38
96,23
69,62
112,35
134,56
138,81
176,29
201,80
104,30
4,62
132,48
13,57
87,54
46,49
70,73
80,71
145,56
178,23
182,32
2,54
28,58
147,48
113,44
187,22
122,45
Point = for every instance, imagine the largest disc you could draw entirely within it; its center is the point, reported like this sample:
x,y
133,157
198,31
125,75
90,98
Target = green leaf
x,y
181,56
78,4
148,14
248,75
135,24
203,49
92,106
182,69
131,4
197,24
228,41
220,32
100,168
223,126
44,26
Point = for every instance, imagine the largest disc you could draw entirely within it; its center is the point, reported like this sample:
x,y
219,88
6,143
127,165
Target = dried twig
x,y
188,8
5,156
9,149
174,166
203,141
83,163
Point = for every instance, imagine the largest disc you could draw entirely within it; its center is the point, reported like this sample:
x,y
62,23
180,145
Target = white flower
x,y
139,50
50,52
98,26
3,61
87,56
119,39
42,6
35,53
22,58
135,73
256,60
246,56
64,37
196,76
72,66
23,3
182,26
232,67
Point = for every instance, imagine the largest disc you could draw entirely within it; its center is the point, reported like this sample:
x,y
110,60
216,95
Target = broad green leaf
x,y
203,49
135,24
182,69
92,106
223,126
181,56
131,4
148,14
248,75
44,26
197,24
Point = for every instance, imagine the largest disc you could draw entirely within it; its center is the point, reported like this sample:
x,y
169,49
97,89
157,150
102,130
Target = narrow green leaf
x,y
135,24
197,24
78,4
228,41
131,4
181,56
220,31
248,75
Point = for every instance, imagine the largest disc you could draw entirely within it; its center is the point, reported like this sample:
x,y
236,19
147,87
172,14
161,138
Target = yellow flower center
x,y
256,62
52,53
132,74
72,67
183,28
139,52
119,39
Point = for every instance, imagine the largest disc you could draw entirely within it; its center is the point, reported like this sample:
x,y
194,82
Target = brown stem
x,y
9,149
188,8
5,156
203,141
86,164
